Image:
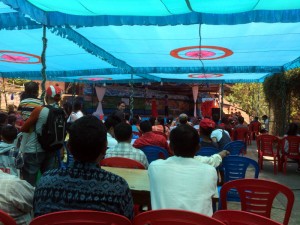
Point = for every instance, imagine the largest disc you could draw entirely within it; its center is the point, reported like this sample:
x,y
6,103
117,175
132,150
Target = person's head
x,y
11,119
111,121
9,133
256,118
87,139
3,118
184,141
293,129
123,132
10,109
170,120
183,118
152,120
160,121
121,106
67,106
133,121
225,120
263,131
241,120
77,106
264,117
53,94
145,126
206,127
31,90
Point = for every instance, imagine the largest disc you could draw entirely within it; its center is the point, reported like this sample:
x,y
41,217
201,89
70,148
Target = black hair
x,y
77,105
293,128
225,120
161,121
11,119
121,102
145,126
152,120
264,117
123,132
3,118
112,120
206,131
170,120
241,120
9,133
134,121
31,90
87,138
256,118
184,141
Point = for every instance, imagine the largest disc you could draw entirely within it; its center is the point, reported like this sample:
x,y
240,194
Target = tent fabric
x,y
100,91
184,41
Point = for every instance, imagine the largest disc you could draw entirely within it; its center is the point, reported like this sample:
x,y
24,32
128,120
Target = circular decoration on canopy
x,y
95,78
201,52
19,57
206,75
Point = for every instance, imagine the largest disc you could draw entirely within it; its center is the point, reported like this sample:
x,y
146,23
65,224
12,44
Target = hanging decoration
x,y
19,57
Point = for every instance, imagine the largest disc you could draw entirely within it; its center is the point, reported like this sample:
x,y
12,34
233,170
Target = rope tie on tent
x,y
43,61
131,96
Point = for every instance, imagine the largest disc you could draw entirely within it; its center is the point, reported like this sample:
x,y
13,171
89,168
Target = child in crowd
x,y
9,162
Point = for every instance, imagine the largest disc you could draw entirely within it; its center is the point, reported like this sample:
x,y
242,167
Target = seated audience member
x,y
84,185
171,123
221,137
150,138
240,130
134,122
16,197
3,120
206,128
170,178
161,127
255,127
123,134
8,153
76,112
183,119
110,122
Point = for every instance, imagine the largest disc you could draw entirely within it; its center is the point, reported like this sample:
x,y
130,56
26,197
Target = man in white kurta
x,y
182,182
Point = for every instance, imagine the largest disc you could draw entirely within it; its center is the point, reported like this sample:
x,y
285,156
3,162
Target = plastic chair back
x,y
207,151
236,147
80,217
241,133
235,217
121,162
174,217
6,219
235,167
257,196
154,153
293,150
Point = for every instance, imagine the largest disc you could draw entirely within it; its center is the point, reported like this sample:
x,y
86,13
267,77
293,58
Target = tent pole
x,y
222,103
43,61
131,101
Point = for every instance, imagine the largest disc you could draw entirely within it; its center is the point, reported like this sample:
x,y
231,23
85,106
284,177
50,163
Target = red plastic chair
x,y
235,217
293,150
80,217
257,196
121,162
174,217
268,145
6,219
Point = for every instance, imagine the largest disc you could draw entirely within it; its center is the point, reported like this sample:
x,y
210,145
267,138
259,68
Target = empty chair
x,y
154,153
207,151
268,145
80,217
6,219
257,196
236,147
235,217
292,152
121,162
174,217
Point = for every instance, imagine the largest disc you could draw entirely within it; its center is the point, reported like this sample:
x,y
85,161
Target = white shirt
x,y
217,133
111,142
182,183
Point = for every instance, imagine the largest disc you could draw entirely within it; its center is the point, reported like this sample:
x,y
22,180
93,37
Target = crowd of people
x,y
183,180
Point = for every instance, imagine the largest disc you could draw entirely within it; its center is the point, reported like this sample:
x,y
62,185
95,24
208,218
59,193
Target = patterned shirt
x,y
126,150
27,105
16,198
82,186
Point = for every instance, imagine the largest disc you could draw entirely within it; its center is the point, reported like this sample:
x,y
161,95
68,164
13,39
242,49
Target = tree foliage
x,y
249,97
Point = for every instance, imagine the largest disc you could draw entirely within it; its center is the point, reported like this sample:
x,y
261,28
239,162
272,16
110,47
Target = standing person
x,y
266,122
35,158
29,99
76,112
154,112
120,112
111,121
255,127
166,106
170,178
16,197
84,185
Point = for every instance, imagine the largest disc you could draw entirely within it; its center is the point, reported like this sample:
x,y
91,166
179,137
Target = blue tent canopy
x,y
164,41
